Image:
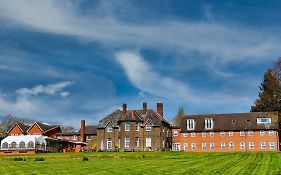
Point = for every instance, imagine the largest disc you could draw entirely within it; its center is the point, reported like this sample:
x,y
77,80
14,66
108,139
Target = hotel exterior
x,y
256,131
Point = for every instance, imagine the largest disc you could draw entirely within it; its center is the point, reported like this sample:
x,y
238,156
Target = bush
x,y
85,159
39,159
19,159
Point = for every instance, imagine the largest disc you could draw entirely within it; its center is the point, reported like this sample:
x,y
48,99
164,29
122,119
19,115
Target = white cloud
x,y
218,40
49,89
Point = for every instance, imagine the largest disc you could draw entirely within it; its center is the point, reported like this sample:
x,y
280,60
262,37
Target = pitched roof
x,y
44,127
132,115
91,130
23,127
232,122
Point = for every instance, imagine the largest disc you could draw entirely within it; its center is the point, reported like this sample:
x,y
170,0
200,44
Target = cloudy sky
x,y
61,61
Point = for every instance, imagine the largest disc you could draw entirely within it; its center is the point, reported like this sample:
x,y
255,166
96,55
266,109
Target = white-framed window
x,y
250,133
203,134
271,145
109,144
242,145
176,133
193,146
137,142
231,145
192,134
222,145
127,142
137,126
271,132
263,120
127,126
209,123
147,142
242,133
185,134
263,146
109,128
185,146
262,133
204,146
148,127
230,133
251,145
212,146
222,133
74,137
190,124
176,147
212,133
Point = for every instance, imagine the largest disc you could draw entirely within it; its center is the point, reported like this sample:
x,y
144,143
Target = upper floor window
x,y
264,120
203,134
192,134
230,133
148,127
212,133
242,133
127,126
176,133
190,123
270,132
209,123
185,134
222,133
109,128
137,126
262,133
250,133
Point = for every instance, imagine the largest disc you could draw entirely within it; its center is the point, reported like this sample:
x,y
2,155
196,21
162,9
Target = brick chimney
x,y
82,131
144,108
124,109
160,109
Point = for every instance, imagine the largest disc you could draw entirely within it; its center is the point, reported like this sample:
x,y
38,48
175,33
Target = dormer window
x,y
264,120
209,123
190,124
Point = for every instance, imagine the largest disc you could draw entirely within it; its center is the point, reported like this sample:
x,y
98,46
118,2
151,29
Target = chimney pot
x,y
160,109
144,108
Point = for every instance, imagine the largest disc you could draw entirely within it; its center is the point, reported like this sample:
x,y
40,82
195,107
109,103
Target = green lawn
x,y
145,163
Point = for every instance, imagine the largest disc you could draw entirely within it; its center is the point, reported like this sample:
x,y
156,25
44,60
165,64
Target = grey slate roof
x,y
232,122
132,115
91,130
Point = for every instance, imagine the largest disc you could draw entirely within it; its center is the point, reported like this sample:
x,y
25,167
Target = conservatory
x,y
24,143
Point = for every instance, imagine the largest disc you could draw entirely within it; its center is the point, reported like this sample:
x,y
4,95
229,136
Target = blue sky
x,y
61,61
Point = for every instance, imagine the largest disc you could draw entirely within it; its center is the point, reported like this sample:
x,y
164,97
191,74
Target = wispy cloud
x,y
218,40
49,89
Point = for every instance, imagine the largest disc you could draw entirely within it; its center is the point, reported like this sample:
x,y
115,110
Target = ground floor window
x,y
127,142
176,147
204,146
109,144
231,145
263,145
212,146
242,145
193,146
148,142
251,145
185,146
271,145
137,142
222,145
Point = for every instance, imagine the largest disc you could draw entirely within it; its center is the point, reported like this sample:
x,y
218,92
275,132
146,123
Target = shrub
x,y
85,159
39,159
19,159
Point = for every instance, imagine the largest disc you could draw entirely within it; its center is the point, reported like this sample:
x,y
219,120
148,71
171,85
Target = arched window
x,y
30,144
5,145
13,145
22,145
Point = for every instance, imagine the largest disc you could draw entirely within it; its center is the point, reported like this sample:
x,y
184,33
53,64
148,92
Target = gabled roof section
x,y
43,127
113,118
155,118
21,126
232,122
131,115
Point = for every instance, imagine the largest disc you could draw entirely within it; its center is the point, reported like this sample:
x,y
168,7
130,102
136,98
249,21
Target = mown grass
x,y
144,163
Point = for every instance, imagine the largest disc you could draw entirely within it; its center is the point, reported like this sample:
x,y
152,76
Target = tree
x,y
270,91
177,120
6,124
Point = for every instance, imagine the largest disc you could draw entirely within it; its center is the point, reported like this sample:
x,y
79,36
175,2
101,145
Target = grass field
x,y
145,163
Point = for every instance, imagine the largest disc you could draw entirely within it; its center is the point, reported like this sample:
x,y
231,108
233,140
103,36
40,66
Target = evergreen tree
x,y
270,91
177,119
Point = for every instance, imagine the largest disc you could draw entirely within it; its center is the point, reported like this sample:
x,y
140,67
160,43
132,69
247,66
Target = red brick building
x,y
256,131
